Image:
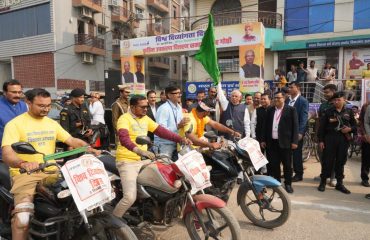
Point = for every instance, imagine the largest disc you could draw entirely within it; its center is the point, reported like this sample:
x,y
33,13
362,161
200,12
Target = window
x,y
174,66
26,22
361,18
309,16
139,10
174,11
101,31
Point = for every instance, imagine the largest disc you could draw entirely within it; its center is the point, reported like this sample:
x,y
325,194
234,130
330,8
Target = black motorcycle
x,y
56,215
261,198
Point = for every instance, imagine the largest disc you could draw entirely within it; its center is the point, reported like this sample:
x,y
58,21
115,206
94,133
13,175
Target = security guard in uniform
x,y
75,118
336,124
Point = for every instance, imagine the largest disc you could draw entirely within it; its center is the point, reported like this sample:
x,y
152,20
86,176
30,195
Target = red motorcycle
x,y
164,193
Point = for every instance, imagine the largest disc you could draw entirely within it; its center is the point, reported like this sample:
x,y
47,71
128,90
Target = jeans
x,y
169,150
4,175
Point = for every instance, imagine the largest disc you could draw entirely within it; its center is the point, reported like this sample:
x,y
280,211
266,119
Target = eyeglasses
x,y
175,93
213,92
143,107
278,97
128,92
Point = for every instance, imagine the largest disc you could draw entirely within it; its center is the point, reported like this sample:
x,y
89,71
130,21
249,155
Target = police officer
x,y
336,124
75,118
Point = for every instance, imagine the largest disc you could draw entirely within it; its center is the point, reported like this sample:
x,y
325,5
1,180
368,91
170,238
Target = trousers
x,y
276,156
365,161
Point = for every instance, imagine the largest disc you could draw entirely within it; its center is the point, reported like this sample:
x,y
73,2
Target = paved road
x,y
330,215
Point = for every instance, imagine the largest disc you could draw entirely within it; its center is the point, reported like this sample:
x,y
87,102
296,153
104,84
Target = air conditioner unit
x,y
139,16
113,3
86,12
116,41
87,58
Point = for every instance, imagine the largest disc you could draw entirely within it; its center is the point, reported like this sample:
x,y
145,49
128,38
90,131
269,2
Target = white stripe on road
x,y
331,207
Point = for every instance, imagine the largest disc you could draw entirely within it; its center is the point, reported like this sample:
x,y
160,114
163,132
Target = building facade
x,y
319,30
60,45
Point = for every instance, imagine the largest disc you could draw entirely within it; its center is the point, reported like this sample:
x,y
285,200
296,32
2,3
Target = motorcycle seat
x,y
109,163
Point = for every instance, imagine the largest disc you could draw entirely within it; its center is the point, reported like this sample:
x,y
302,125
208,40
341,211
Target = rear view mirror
x,y
210,135
229,123
143,140
24,148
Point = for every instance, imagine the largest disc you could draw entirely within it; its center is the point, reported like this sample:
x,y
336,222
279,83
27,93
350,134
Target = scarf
x,y
200,123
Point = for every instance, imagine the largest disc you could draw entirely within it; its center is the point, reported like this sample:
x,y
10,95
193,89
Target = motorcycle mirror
x,y
190,130
23,148
210,135
143,140
229,123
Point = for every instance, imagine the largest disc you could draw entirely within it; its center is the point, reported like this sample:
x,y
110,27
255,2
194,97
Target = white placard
x,y
88,182
194,168
252,147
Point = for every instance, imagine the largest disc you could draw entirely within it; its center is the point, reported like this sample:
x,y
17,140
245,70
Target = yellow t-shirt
x,y
193,122
366,74
135,127
40,133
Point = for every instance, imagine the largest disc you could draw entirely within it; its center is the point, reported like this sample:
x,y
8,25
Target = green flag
x,y
207,54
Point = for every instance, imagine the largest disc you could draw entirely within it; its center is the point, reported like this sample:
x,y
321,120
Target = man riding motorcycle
x,y
42,133
199,118
130,125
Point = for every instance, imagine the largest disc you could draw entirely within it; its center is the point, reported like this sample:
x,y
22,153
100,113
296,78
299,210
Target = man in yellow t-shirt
x,y
42,133
130,125
366,73
198,120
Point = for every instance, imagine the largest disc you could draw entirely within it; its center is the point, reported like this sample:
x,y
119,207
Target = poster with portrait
x,y
133,74
251,59
355,61
365,91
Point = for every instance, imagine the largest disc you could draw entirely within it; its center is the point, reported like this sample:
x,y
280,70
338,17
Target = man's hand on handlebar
x,y
215,145
237,135
94,151
186,141
29,166
145,154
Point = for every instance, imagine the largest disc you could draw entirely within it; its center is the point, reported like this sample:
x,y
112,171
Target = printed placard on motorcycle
x,y
194,168
88,182
252,147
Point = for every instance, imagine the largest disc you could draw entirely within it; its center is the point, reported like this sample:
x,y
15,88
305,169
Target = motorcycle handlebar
x,y
41,167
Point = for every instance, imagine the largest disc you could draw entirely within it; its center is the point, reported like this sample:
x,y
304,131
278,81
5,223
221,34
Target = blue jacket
x,y
301,106
9,111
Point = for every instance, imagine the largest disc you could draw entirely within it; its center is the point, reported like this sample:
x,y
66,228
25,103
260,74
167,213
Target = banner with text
x,y
193,87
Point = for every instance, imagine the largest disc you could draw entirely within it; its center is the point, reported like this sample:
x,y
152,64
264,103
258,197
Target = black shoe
x,y
297,178
342,189
365,183
321,187
289,188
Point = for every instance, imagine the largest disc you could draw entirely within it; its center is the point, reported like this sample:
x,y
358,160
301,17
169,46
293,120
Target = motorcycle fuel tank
x,y
159,176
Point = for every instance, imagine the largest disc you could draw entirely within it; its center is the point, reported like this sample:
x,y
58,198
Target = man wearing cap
x,y
120,106
199,118
336,125
75,118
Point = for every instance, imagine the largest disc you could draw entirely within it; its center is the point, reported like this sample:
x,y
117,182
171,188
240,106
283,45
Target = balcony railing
x,y
156,29
159,62
161,5
269,19
120,14
95,5
229,65
90,44
116,53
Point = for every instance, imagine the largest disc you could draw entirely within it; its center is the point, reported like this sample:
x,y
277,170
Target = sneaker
x,y
333,182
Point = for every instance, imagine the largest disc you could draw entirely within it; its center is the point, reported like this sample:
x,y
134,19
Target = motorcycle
x,y
262,198
56,215
164,194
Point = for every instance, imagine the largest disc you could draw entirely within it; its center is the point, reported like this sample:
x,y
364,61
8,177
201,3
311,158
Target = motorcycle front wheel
x,y
220,223
273,211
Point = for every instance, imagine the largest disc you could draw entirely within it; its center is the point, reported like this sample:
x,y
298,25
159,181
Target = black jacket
x,y
261,117
151,116
288,127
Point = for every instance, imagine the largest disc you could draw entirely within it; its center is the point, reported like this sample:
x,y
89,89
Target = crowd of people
x,y
278,123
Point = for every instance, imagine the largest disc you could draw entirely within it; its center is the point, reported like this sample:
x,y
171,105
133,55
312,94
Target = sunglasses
x,y
128,92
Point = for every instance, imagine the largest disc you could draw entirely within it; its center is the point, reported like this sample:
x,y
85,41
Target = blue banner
x,y
193,87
